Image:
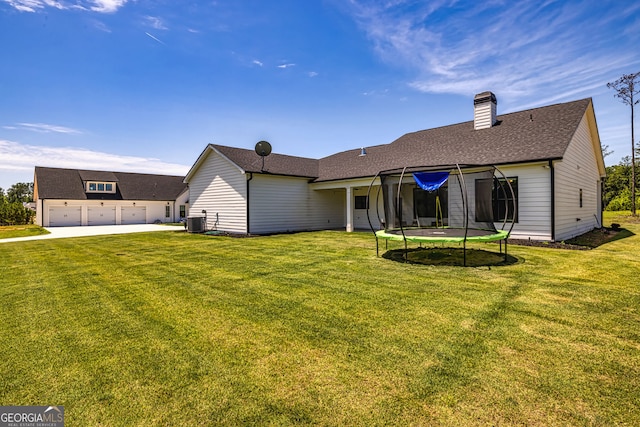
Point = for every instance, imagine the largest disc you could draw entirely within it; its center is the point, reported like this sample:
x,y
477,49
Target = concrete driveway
x,y
95,230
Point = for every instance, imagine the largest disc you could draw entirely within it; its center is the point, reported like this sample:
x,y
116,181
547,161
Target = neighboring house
x,y
552,155
71,197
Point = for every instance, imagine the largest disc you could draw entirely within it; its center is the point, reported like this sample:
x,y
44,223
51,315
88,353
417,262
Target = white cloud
x,y
26,5
43,128
101,26
101,6
312,74
22,158
516,49
284,66
155,22
258,63
107,6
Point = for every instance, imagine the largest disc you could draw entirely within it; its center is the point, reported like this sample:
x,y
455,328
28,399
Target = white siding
x,y
183,199
534,201
220,188
360,220
578,170
281,204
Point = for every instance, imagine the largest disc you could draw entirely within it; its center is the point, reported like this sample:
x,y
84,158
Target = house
x,y
71,197
552,156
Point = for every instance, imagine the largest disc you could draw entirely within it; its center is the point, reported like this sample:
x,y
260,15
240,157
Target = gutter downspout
x,y
602,202
553,201
248,212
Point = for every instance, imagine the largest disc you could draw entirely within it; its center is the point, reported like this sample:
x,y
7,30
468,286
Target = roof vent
x,y
484,110
363,152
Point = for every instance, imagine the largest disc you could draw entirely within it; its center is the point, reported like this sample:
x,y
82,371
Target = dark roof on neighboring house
x,y
57,183
532,135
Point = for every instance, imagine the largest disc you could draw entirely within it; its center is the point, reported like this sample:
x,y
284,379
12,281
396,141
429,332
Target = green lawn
x,y
8,231
171,328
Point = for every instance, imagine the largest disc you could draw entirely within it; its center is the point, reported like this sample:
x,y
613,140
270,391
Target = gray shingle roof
x,y
537,134
57,183
276,164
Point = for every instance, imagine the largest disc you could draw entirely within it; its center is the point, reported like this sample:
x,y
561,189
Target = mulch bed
x,y
584,242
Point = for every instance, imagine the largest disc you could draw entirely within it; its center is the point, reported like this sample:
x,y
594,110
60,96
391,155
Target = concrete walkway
x,y
95,230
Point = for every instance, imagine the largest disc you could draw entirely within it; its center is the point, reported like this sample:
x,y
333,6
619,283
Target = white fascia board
x,y
344,183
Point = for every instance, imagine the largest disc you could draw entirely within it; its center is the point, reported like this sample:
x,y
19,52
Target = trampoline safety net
x,y
439,201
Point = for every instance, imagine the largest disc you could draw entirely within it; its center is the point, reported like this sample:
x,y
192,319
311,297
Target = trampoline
x,y
443,235
451,204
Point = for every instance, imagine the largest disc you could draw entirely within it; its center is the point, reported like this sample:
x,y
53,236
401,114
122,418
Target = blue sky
x,y
144,86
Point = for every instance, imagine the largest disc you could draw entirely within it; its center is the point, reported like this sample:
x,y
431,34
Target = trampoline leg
x,y
406,254
464,254
505,250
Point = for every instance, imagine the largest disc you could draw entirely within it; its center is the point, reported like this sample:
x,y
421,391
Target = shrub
x,y
622,202
15,214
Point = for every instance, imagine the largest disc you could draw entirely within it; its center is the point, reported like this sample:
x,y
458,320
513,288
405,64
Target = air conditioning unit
x,y
196,224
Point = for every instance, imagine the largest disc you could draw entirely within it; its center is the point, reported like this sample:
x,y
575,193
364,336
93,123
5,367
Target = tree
x,y
12,210
20,192
15,214
616,187
626,89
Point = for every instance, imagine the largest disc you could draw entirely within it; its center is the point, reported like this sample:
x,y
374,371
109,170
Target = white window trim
x,y
88,187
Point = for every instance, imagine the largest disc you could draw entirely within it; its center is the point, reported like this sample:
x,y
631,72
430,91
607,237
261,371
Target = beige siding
x,y
220,188
281,204
578,170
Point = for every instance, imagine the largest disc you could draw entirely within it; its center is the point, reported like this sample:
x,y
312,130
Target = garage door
x,y
65,216
101,215
134,215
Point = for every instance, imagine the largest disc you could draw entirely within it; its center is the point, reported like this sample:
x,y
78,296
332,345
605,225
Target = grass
x,y
8,231
312,328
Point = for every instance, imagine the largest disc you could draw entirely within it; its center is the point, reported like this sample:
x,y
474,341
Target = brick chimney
x,y
484,110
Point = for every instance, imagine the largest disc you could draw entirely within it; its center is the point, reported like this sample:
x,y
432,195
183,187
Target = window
x,y
361,202
167,211
101,187
183,211
501,200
